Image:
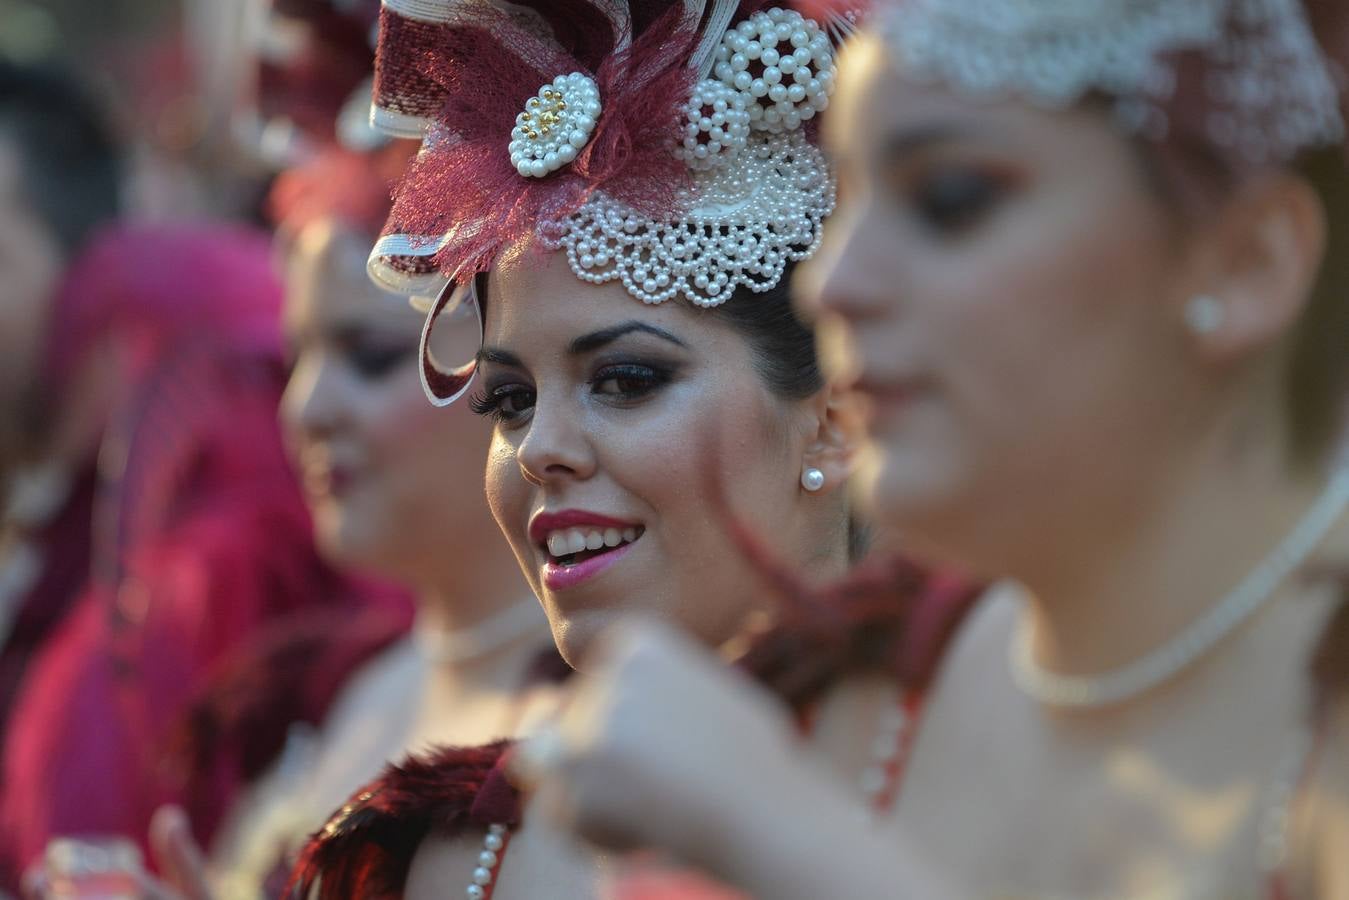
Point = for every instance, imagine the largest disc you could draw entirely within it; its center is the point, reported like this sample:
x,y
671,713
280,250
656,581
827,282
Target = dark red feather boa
x,y
892,617
366,848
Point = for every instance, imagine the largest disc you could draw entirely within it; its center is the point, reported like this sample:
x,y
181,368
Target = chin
x,y
575,633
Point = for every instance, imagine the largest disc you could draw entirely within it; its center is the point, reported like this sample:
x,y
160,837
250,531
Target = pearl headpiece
x,y
673,159
1269,90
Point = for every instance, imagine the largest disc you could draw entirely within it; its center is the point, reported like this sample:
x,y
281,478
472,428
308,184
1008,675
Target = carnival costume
x,y
669,148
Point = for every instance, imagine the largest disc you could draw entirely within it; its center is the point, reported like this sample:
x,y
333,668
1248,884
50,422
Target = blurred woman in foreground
x,y
1100,320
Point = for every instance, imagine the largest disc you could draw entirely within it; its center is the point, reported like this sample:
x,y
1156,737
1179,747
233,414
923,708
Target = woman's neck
x,y
1117,589
465,590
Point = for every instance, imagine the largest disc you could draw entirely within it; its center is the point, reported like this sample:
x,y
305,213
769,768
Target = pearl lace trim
x,y
1271,92
745,221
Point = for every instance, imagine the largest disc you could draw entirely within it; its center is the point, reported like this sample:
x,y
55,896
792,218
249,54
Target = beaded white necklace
x,y
1198,639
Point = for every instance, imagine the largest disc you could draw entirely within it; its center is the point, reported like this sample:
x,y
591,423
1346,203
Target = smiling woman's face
x,y
613,421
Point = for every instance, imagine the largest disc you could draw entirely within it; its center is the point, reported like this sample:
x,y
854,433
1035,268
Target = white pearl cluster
x,y
481,886
743,223
555,125
784,62
1271,92
716,127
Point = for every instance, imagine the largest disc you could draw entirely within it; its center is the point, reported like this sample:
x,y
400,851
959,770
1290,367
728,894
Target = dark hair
x,y
70,164
783,345
785,358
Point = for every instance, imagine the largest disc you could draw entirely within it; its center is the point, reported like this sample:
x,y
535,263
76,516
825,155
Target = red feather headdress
x,y
661,145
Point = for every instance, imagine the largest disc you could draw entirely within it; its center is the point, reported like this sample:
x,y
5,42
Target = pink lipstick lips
x,y
579,545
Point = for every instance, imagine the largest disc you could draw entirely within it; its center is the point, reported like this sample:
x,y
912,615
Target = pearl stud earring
x,y
1205,314
812,479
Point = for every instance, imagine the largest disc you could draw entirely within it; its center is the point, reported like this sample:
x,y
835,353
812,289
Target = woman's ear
x,y
832,449
1262,264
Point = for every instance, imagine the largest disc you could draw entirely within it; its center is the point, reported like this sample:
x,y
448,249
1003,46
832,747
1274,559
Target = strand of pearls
x,y
489,863
889,747
1198,639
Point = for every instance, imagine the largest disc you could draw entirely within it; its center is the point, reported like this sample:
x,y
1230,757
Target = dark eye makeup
x,y
950,200
618,381
373,360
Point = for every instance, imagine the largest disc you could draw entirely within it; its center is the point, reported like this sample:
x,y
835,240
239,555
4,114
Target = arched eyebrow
x,y
589,343
500,357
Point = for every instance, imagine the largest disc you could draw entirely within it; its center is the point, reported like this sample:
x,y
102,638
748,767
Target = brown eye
x,y
628,382
503,404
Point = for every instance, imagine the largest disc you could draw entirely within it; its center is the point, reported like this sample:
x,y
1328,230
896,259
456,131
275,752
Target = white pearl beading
x,y
797,62
716,126
481,885
555,125
1197,639
892,733
1272,92
743,223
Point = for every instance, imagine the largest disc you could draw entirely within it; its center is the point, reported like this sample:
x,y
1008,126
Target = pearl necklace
x,y
1193,642
482,639
889,748
489,862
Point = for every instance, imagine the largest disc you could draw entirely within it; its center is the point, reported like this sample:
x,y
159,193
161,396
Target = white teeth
x,y
573,540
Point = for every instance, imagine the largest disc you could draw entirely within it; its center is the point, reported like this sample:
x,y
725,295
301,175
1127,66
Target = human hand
x,y
658,744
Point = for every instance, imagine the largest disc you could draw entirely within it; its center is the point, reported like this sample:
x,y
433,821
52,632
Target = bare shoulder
x,y
442,867
538,862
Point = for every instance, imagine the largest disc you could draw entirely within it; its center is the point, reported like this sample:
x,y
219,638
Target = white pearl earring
x,y
812,479
1205,314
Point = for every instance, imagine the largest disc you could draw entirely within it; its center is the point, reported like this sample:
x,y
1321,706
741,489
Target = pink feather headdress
x,y
666,146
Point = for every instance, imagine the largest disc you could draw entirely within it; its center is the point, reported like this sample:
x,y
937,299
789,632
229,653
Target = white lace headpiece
x,y
1269,90
672,157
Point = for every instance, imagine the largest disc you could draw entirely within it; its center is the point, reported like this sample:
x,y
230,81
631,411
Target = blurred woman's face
x,y
613,421
1008,285
394,484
